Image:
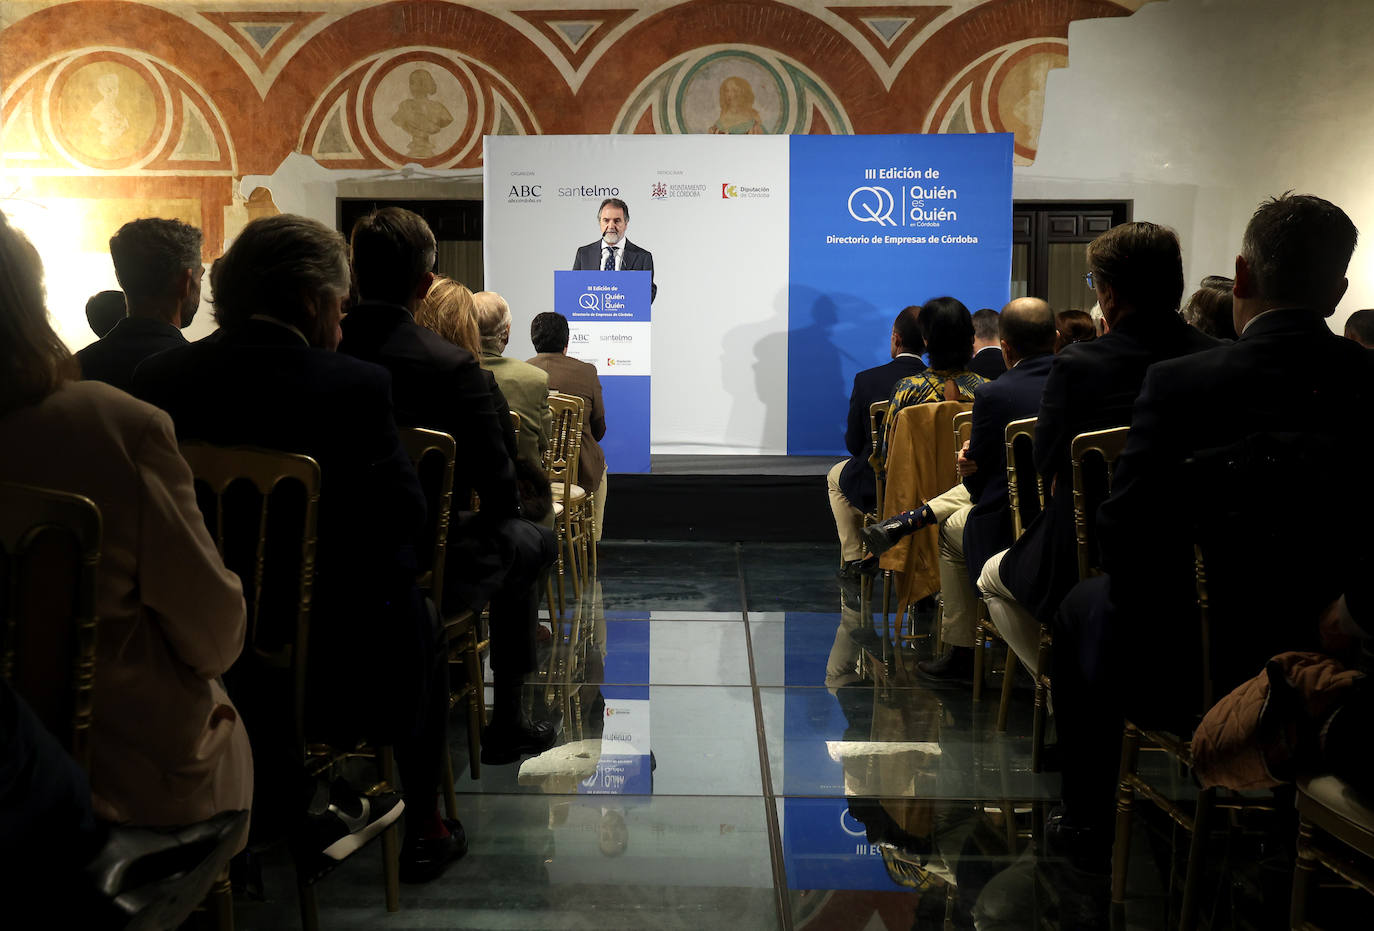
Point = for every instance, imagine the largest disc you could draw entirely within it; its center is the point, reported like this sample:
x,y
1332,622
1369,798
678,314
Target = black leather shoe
x,y
956,663
502,745
423,860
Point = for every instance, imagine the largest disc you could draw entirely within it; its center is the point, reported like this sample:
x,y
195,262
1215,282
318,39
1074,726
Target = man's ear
x,y
422,287
1244,288
185,282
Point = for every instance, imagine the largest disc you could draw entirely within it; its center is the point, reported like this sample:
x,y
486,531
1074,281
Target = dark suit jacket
x,y
588,258
436,384
573,376
856,479
989,362
1091,386
1281,554
133,339
259,384
995,404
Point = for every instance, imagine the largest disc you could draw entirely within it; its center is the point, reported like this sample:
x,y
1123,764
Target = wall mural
x,y
146,108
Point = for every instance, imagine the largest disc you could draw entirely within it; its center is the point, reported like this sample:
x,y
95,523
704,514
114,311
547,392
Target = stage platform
x,y
723,498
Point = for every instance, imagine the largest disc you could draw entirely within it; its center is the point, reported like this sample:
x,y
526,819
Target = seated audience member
x,y
449,311
1072,326
272,380
987,351
851,483
1359,326
1209,437
104,310
948,331
167,745
494,556
158,265
549,334
975,516
525,387
1209,308
1137,272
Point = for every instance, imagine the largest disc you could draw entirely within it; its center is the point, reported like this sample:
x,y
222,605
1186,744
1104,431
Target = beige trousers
x,y
849,520
599,505
1018,627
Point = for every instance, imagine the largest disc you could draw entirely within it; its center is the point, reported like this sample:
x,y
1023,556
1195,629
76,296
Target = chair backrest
x,y
273,554
1094,456
49,554
1260,587
565,445
963,430
877,416
433,454
1024,485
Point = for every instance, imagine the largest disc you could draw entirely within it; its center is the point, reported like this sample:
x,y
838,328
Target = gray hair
x,y
276,263
493,320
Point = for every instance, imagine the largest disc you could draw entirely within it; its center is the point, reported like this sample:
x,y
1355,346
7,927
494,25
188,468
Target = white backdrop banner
x,y
713,210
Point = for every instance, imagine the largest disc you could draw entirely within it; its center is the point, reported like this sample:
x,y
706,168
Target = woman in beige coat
x,y
167,745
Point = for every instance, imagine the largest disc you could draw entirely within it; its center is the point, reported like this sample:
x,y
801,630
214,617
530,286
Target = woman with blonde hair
x,y
738,117
167,745
448,310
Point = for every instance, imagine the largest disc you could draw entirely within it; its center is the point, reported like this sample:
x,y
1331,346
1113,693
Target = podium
x,y
608,326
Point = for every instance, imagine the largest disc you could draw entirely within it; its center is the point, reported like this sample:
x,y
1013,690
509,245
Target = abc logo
x,y
526,190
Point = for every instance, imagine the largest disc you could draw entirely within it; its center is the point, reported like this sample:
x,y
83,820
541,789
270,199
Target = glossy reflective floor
x,y
731,758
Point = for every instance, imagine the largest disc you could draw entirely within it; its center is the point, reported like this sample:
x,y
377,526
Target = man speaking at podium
x,y
613,252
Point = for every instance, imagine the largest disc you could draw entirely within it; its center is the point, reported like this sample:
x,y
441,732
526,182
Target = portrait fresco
x,y
732,93
419,109
107,111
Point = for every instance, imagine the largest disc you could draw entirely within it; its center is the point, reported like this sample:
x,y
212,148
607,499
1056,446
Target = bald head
x,y
1026,327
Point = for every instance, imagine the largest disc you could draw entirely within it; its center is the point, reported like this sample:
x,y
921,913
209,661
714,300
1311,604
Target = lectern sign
x,y
608,326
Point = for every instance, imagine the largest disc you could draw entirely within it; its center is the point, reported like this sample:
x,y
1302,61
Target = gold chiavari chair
x,y
877,416
1335,832
1027,498
278,634
570,499
433,454
1235,543
50,541
49,561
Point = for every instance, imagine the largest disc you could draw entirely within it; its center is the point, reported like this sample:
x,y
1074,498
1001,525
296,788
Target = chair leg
x,y
1125,805
310,907
1197,860
1004,706
220,902
1304,871
391,847
476,705
450,796
1038,725
980,642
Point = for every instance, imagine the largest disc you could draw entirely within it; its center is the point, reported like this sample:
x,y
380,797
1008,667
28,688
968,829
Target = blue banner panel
x,y
609,326
879,223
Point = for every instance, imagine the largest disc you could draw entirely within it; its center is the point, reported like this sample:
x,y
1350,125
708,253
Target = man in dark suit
x,y
549,334
158,265
271,380
982,525
987,360
1091,386
851,483
494,556
613,252
1218,442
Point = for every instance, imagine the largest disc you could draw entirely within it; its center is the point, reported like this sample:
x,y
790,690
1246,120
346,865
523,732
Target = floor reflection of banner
x,y
879,223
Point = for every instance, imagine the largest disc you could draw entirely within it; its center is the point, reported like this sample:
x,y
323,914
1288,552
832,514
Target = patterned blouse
x,y
928,387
